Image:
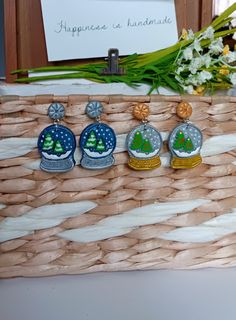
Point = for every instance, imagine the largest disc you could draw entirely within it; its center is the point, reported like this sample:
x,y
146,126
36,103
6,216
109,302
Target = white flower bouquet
x,y
199,68
197,64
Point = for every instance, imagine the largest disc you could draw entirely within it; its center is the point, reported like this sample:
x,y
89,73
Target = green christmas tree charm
x,y
143,144
185,140
58,147
188,145
100,146
92,141
48,143
137,141
146,146
179,140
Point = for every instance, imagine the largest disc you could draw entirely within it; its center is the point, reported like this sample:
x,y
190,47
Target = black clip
x,y
113,64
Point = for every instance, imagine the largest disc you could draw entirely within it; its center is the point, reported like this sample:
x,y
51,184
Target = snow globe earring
x,y
56,143
185,141
97,140
144,142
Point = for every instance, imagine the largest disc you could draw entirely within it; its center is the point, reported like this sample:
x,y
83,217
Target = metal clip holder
x,y
113,64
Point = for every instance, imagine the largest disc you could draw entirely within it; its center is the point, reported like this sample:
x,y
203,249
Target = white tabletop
x,y
144,295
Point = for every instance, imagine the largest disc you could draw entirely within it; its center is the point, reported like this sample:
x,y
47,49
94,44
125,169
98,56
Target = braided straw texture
x,y
116,219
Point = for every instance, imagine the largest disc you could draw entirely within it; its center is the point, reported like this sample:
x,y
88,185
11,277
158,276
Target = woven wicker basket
x,y
116,219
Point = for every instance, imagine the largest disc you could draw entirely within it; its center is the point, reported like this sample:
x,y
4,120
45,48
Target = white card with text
x,y
78,29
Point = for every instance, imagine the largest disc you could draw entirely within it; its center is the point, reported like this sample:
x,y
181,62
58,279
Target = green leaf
x,y
172,84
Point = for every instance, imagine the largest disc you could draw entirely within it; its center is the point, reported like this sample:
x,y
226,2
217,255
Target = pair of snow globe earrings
x,y
144,142
57,143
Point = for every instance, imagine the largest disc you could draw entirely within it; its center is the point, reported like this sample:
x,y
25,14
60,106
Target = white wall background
x,y
221,5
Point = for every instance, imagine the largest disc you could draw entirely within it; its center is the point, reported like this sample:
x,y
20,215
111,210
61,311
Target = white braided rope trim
x,y
208,231
125,222
52,215
16,147
42,218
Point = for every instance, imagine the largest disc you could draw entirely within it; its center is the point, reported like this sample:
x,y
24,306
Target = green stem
x,y
75,75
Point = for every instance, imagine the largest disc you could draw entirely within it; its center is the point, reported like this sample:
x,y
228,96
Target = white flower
x,y
208,33
180,69
230,57
195,64
198,78
188,53
232,78
197,45
216,46
206,58
189,89
203,76
180,80
190,35
193,80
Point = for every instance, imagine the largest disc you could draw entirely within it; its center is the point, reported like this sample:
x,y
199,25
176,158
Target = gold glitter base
x,y
186,163
144,164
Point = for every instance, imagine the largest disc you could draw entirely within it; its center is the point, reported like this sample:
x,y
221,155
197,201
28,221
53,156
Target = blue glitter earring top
x,y
56,144
56,111
97,141
94,109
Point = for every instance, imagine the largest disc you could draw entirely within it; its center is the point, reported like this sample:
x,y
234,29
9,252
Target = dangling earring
x,y
185,141
56,143
144,142
97,140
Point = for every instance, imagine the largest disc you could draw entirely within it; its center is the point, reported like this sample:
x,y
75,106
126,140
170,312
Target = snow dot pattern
x,y
185,140
185,144
144,144
57,144
97,142
144,141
